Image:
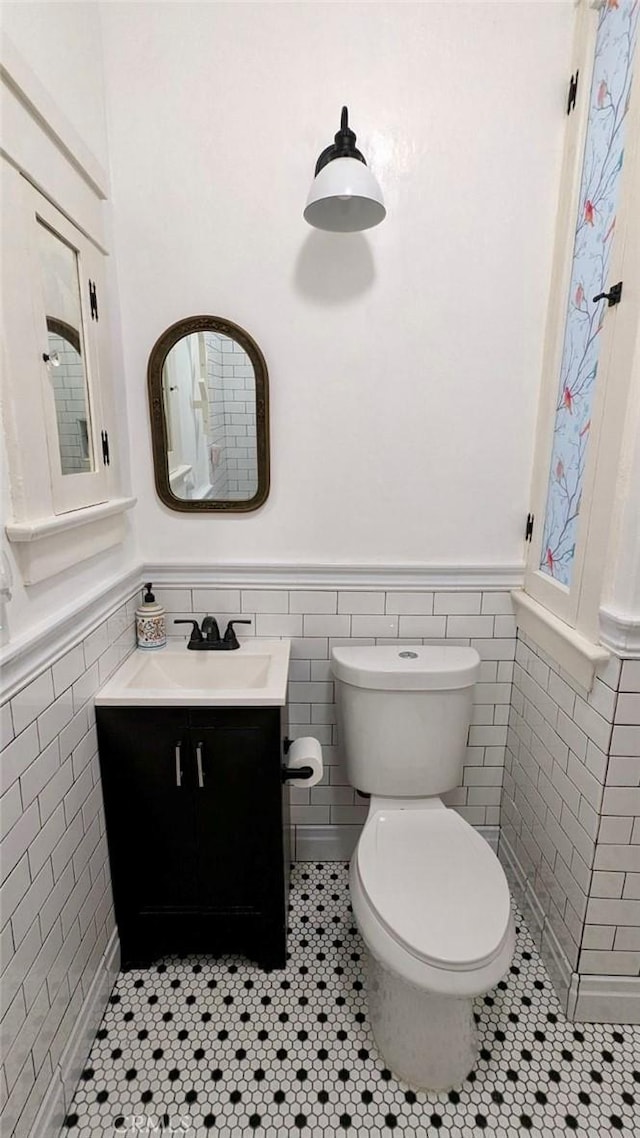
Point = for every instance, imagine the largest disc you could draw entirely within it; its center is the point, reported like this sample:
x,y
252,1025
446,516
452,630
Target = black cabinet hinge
x,y
93,300
528,531
573,91
104,435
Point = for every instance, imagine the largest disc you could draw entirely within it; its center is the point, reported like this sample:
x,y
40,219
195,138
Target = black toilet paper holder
x,y
294,772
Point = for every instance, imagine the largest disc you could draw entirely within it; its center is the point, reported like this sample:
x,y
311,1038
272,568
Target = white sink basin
x,y
254,675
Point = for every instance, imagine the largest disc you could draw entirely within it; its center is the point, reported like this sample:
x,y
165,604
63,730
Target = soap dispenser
x,y
151,630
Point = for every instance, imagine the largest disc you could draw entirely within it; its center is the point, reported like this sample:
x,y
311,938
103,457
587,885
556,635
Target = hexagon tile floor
x,y
194,1047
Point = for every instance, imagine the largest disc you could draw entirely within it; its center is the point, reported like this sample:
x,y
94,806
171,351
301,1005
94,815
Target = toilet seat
x,y
436,888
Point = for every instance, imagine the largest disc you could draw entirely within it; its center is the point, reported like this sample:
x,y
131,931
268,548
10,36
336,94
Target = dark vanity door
x,y
237,763
150,802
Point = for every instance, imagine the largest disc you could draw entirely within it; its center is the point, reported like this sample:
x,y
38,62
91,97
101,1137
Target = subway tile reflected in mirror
x,y
208,392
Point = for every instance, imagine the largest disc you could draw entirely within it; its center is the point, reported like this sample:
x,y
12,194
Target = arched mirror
x,y
209,403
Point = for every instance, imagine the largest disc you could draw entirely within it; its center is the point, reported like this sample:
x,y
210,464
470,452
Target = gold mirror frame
x,y
159,353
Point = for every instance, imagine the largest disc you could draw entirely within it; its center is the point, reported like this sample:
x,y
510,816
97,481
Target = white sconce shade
x,y
344,196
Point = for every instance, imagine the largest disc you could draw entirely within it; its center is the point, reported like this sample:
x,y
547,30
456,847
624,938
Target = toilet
x,y
429,895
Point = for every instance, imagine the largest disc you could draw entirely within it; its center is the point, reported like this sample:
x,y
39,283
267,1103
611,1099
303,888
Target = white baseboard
x,y
563,978
62,1087
491,835
50,1118
514,872
534,917
74,1056
337,843
326,843
586,999
521,888
535,913
608,999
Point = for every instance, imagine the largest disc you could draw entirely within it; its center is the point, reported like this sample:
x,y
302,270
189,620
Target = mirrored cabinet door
x,y
66,350
67,270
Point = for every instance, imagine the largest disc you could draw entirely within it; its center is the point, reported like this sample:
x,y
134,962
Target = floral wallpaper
x,y
594,236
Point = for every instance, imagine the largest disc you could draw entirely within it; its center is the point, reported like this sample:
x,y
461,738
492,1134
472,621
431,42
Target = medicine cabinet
x,y
57,398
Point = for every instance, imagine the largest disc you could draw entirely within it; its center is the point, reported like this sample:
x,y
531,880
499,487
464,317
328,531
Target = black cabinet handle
x,y
178,764
199,765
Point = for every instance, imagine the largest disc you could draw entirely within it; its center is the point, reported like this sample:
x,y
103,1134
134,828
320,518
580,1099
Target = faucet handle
x,y
230,638
196,635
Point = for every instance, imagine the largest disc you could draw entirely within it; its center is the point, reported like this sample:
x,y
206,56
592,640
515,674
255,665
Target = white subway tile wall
x,y
571,808
612,931
70,394
316,620
56,911
216,422
232,418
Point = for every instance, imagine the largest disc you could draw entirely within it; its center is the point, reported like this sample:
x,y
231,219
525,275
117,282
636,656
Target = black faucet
x,y
208,639
210,630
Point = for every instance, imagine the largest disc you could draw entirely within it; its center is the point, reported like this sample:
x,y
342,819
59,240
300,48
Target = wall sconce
x,y
344,195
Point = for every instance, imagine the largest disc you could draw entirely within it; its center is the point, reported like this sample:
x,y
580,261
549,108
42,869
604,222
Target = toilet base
x,y
427,1040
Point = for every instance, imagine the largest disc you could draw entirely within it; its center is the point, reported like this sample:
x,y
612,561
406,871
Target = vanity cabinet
x,y
197,827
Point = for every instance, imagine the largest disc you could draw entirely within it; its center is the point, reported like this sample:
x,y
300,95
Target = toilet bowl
x,y
433,908
429,895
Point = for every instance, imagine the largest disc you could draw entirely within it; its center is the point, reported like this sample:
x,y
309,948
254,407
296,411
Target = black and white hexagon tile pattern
x,y
195,1047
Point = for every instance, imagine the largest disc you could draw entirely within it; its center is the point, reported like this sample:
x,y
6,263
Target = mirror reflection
x,y
67,371
209,404
209,393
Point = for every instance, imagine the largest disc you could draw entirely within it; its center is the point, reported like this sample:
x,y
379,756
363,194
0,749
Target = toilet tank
x,y
403,716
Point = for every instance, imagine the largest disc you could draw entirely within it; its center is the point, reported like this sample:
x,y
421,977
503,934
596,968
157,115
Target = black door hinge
x,y
104,435
573,91
528,528
93,300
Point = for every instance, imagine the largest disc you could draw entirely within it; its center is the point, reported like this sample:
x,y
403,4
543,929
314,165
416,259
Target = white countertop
x,y
254,675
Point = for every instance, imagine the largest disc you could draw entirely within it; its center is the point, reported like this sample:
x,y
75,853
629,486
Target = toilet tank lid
x,y
419,667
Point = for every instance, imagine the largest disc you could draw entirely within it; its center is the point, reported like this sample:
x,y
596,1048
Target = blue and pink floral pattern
x,y
594,235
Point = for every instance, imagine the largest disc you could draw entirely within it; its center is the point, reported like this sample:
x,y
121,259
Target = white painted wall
x,y
622,584
60,45
214,129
